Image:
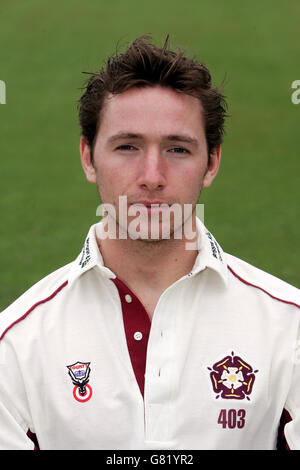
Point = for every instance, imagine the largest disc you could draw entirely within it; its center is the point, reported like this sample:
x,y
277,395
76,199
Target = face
x,y
150,146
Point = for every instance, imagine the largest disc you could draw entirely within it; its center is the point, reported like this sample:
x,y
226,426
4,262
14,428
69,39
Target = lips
x,y
149,203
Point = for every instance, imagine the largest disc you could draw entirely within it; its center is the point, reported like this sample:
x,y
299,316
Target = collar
x,y
210,255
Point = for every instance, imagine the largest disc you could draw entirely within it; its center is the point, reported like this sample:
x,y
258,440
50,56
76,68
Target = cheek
x,y
110,181
190,183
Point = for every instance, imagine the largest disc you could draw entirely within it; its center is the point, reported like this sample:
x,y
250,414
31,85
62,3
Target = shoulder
x,y
40,293
255,278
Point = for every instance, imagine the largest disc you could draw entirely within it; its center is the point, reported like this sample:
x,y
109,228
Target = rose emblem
x,y
232,378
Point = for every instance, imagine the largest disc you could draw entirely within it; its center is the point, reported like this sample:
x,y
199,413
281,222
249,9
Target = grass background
x,y
46,204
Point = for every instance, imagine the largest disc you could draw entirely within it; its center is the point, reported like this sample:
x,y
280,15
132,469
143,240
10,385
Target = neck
x,y
152,264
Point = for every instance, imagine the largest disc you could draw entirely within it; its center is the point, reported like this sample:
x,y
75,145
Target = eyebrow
x,y
172,137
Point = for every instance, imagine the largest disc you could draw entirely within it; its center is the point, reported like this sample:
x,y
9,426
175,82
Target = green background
x,y
47,205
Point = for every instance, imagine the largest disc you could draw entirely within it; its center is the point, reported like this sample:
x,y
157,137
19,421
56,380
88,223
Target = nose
x,y
152,171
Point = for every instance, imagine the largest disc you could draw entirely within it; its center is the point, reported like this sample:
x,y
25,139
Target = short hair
x,y
144,64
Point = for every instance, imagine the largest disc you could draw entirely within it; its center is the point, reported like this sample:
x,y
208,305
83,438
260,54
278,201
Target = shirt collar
x,y
210,255
89,257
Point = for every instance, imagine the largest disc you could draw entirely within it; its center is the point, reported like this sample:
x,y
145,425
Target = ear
x,y
86,161
213,167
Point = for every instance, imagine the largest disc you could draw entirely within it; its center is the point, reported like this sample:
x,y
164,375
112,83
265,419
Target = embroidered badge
x,y
80,373
232,378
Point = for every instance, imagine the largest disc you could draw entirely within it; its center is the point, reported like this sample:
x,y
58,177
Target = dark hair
x,y
142,65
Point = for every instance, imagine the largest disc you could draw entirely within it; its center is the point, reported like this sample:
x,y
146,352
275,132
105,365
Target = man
x,y
151,342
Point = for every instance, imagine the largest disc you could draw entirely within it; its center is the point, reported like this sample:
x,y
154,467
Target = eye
x,y
125,147
179,150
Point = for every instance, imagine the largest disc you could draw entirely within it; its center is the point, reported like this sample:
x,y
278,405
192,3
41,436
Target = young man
x,y
144,342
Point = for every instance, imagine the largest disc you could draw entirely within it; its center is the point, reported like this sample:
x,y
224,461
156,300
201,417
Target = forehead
x,y
154,110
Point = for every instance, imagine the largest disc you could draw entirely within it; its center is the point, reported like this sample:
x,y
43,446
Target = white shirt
x,y
220,359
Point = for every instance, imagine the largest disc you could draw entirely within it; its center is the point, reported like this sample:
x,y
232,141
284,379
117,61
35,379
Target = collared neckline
x,y
89,257
210,255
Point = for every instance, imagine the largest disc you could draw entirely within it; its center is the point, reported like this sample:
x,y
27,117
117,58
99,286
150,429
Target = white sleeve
x,y
13,406
12,435
292,428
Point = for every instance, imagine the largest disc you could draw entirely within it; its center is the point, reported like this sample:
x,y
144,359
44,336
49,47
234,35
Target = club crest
x,y
232,378
80,373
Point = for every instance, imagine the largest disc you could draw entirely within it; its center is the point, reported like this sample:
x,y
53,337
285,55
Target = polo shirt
x,y
82,366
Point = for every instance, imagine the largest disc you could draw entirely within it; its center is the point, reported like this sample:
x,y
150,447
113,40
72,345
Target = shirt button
x,y
128,298
137,335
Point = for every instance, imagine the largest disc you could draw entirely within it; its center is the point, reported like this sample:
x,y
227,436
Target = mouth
x,y
151,204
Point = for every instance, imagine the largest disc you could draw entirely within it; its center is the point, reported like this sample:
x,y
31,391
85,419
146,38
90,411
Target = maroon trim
x,y
30,434
281,440
33,438
33,307
285,417
135,319
257,287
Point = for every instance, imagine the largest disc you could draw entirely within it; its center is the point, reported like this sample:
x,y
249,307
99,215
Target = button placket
x,y
160,372
136,327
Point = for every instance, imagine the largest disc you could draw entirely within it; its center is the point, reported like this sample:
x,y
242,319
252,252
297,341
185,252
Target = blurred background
x,y
46,203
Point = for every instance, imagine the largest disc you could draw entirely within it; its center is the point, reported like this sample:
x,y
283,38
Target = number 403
x,y
232,418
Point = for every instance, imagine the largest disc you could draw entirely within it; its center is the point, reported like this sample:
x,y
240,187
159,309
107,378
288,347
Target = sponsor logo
x,y
232,378
215,249
86,255
80,373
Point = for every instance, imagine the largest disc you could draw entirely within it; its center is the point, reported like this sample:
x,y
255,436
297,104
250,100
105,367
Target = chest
x,y
199,393
146,299
213,372
149,301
